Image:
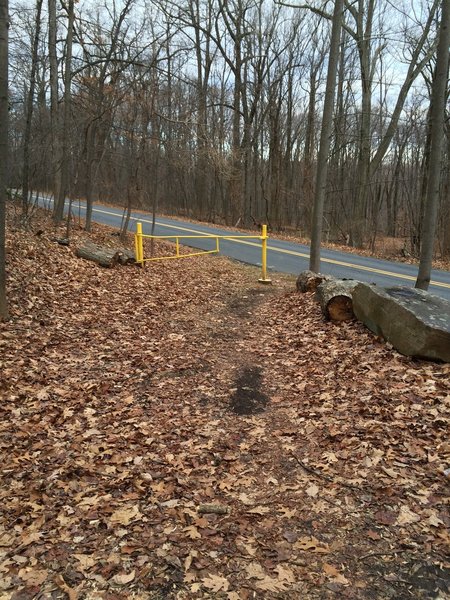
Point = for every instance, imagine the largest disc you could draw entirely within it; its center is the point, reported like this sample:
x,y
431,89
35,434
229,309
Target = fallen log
x,y
308,281
105,257
335,298
126,257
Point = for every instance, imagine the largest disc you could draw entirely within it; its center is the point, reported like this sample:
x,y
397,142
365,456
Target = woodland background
x,y
122,418
212,109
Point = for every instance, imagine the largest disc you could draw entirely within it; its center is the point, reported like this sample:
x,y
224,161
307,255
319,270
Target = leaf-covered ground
x,y
181,432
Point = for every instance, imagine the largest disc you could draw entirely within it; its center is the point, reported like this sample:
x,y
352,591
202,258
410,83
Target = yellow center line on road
x,y
291,252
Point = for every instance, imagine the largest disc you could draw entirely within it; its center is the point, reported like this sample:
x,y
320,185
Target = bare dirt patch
x,y
248,399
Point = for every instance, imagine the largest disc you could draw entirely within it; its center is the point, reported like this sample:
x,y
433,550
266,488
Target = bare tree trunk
x,y
53,73
59,202
437,136
446,216
3,149
89,175
29,111
325,135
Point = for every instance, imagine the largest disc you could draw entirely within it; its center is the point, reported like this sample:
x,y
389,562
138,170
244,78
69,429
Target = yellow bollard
x,y
139,245
136,246
264,278
178,246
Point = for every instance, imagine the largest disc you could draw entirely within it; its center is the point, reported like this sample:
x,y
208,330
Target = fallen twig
x,y
370,554
316,473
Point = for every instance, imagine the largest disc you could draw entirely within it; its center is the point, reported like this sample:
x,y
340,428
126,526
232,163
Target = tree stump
x,y
335,298
308,281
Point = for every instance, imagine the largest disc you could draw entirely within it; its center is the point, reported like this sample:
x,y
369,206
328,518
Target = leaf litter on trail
x,y
117,423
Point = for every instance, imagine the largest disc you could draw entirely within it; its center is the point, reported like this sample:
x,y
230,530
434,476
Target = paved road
x,y
282,256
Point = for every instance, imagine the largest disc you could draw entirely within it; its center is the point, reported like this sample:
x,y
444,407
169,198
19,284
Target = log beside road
x,y
308,281
335,298
104,256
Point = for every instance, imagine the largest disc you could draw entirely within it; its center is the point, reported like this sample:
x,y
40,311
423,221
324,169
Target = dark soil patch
x,y
409,579
248,399
429,579
242,305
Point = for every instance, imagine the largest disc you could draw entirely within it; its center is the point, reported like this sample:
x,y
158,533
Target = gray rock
x,y
415,322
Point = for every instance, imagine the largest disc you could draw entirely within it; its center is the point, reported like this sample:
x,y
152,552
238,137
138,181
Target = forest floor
x,y
182,432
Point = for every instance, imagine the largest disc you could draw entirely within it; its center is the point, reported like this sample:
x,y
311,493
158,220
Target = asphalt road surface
x,y
282,256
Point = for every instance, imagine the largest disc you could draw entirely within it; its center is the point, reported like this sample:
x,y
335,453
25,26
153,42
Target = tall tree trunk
x,y
89,177
3,149
446,233
59,203
53,73
29,111
307,171
437,135
325,135
364,41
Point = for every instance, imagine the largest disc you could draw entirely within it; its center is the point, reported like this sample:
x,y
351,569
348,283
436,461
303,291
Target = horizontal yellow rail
x,y
201,237
141,260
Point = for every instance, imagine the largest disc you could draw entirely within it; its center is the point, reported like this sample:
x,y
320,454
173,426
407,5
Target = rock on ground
x,y
415,322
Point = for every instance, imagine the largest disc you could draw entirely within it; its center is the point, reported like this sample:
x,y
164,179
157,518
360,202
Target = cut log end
x,y
335,299
340,308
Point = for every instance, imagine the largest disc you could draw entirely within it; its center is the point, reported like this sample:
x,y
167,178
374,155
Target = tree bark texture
x,y
60,201
437,134
105,257
29,110
325,138
4,153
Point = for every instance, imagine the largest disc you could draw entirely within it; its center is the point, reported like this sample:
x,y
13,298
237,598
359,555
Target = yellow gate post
x,y
263,278
139,246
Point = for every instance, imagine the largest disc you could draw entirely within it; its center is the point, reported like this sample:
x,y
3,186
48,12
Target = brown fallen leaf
x,y
312,490
86,560
123,578
269,584
333,572
216,583
33,576
255,571
406,516
285,574
373,535
192,532
72,593
32,536
259,510
124,516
